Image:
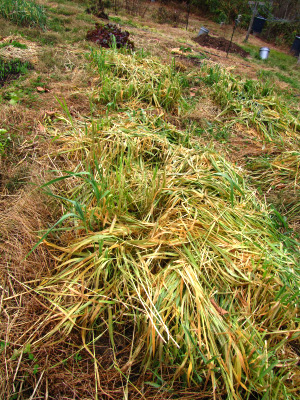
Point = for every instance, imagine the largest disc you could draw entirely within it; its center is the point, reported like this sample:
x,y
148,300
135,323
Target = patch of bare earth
x,y
220,43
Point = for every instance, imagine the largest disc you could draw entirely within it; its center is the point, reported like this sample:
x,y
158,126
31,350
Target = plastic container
x,y
295,49
258,24
203,31
264,53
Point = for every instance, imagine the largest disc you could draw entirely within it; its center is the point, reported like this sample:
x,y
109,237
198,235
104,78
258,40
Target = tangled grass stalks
x,y
169,242
253,102
23,12
125,76
280,180
282,170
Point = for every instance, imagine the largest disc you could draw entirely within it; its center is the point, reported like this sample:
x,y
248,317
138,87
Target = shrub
x,y
281,31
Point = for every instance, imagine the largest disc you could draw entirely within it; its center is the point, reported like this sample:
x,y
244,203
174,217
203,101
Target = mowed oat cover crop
x,y
170,241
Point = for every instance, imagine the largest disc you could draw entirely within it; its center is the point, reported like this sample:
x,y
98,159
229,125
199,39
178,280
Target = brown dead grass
x,y
244,143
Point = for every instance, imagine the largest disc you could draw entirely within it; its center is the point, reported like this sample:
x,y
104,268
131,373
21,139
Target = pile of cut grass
x,y
170,242
126,76
23,12
253,103
280,180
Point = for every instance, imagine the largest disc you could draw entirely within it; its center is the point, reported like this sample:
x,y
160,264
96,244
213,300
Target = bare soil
x,y
220,43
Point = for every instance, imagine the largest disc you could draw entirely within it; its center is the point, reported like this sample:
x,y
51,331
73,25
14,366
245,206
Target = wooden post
x,y
188,13
254,12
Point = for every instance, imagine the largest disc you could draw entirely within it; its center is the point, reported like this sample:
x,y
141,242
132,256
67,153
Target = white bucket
x,y
203,31
264,53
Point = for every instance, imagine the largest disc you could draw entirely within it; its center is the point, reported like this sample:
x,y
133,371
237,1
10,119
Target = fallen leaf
x,y
50,113
42,89
40,128
220,310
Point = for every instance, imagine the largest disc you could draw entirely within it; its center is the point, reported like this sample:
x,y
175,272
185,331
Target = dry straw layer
x,y
124,77
252,103
280,177
170,241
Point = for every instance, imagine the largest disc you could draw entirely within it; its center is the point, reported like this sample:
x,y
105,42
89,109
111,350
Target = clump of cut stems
x,y
125,76
170,241
254,103
23,12
280,176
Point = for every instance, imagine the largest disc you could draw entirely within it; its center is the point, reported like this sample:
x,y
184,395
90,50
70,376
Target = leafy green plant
x,y
3,345
218,131
5,141
23,12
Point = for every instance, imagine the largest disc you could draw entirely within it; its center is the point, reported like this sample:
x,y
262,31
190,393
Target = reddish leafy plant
x,y
103,35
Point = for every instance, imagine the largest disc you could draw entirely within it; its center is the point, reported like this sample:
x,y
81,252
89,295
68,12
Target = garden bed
x,y
220,43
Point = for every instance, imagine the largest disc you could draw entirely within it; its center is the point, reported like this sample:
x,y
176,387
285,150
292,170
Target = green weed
x,y
117,20
12,69
14,43
5,141
23,12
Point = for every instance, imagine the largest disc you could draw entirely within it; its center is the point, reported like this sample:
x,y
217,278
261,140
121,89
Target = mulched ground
x,y
220,43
